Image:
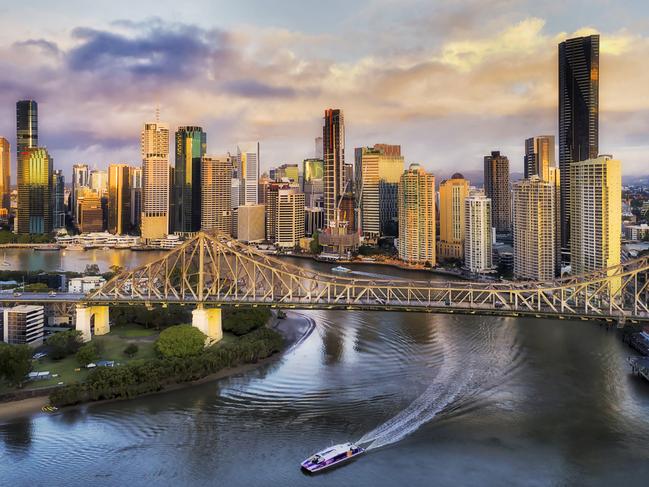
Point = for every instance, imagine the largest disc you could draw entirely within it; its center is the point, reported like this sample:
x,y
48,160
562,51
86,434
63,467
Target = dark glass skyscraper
x,y
333,145
578,114
26,126
496,184
58,199
191,144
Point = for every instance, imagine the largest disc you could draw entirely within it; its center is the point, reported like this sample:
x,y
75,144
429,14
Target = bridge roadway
x,y
64,298
212,270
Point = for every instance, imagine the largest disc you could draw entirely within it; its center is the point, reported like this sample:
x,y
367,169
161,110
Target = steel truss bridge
x,y
212,270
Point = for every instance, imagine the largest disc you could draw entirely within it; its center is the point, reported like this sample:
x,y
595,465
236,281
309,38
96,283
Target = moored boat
x,y
332,456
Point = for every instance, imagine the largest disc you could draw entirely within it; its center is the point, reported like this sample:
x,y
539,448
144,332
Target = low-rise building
x,y
85,284
24,325
636,232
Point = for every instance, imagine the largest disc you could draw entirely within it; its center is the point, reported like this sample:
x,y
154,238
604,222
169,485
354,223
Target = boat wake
x,y
461,375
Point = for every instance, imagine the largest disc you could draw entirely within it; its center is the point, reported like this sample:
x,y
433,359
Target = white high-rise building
x,y
155,180
534,229
248,171
477,233
595,215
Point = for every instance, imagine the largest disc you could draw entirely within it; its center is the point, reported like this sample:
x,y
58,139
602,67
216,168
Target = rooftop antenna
x,y
157,113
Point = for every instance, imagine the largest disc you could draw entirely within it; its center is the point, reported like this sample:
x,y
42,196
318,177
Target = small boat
x,y
332,456
341,269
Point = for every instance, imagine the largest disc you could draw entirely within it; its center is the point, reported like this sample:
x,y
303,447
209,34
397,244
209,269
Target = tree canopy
x,y
180,341
15,363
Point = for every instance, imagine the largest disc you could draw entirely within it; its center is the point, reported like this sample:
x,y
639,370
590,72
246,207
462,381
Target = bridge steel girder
x,y
215,270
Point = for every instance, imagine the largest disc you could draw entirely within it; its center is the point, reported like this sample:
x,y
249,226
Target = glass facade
x,y
578,114
58,207
191,144
34,214
26,125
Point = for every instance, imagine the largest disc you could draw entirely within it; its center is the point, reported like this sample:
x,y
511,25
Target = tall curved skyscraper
x,y
578,115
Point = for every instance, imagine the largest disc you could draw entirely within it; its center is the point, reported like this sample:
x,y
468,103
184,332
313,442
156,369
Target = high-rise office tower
x,y
312,182
333,148
378,170
477,233
534,229
191,144
496,183
155,180
216,185
99,182
34,214
26,126
80,179
119,198
5,172
595,215
452,194
248,162
554,178
539,156
135,175
578,115
264,182
91,212
58,195
288,171
285,215
416,203
318,154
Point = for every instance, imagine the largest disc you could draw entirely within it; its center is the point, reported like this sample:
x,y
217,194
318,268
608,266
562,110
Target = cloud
x,y
449,81
171,53
251,88
44,45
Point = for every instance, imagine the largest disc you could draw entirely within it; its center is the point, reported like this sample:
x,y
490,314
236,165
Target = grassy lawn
x,y
132,331
112,346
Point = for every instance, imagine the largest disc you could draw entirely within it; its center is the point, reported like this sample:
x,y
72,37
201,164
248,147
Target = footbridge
x,y
213,270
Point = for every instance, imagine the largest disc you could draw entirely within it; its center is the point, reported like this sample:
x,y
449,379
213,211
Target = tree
x,y
130,350
64,343
180,341
15,363
37,287
87,354
315,246
92,270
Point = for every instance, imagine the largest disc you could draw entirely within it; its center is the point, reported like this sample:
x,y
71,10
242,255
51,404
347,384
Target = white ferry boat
x,y
341,269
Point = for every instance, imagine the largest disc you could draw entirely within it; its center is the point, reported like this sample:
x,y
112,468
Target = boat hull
x,y
309,467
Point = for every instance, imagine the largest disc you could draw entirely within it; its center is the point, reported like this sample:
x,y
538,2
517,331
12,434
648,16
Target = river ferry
x,y
341,269
331,457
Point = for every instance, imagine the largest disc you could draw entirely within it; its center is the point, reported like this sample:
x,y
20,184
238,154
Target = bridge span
x,y
212,270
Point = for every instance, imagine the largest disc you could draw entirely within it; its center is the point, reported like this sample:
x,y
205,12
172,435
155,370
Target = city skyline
x,y
425,93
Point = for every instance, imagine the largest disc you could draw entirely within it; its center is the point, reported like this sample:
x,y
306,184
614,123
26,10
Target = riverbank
x,y
394,265
295,328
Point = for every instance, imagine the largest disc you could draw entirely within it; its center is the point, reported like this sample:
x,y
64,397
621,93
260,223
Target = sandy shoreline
x,y
295,328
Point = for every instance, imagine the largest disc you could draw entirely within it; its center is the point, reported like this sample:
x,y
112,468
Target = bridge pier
x,y
85,315
209,322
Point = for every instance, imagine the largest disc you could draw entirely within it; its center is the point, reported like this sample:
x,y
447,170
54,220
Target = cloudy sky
x,y
449,80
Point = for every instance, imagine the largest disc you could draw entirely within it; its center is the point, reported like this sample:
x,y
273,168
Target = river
x,y
441,399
